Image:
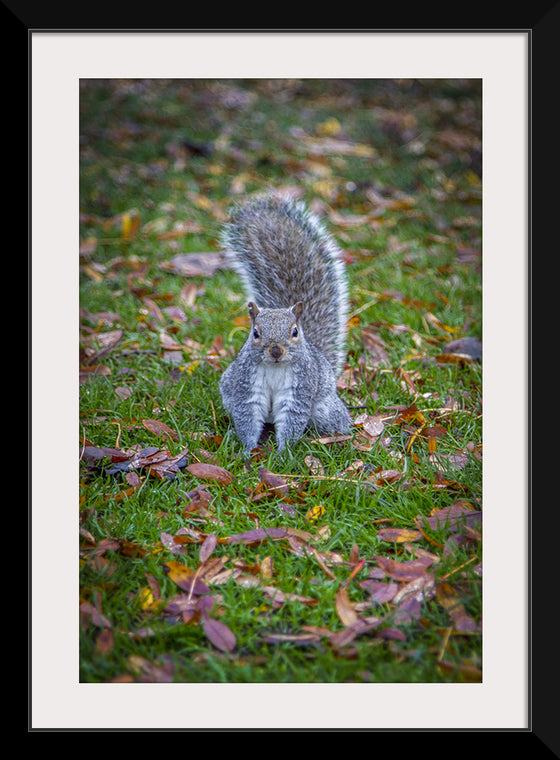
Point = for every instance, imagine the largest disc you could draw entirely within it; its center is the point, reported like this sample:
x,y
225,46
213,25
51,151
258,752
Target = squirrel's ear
x,y
253,310
298,309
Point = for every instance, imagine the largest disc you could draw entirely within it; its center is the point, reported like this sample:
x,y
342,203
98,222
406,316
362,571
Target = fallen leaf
x,y
211,472
468,670
398,535
195,264
404,570
270,484
451,518
207,547
293,638
104,642
160,428
185,578
373,425
374,345
314,464
380,592
420,588
385,477
345,609
448,596
218,634
315,512
411,414
148,603
278,598
159,672
258,535
90,612
181,603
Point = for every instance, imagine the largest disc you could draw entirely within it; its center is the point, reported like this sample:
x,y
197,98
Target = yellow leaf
x,y
147,600
315,512
329,127
399,535
130,222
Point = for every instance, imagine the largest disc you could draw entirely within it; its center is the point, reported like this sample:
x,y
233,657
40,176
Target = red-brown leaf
x,y
218,634
212,472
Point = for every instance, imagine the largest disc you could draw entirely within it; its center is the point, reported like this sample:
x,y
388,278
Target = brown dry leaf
x,y
104,642
331,146
218,634
293,638
270,484
411,414
152,309
267,567
123,392
185,578
202,264
460,359
210,472
88,246
328,439
385,477
345,609
148,672
95,347
207,547
258,535
90,612
374,345
160,428
469,671
188,295
172,349
197,500
373,425
442,462
278,598
314,464
448,596
437,323
186,535
404,570
398,535
419,589
182,603
434,431
169,543
381,592
406,380
159,463
451,518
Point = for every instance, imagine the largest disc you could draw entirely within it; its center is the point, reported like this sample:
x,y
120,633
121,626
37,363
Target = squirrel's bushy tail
x,y
284,254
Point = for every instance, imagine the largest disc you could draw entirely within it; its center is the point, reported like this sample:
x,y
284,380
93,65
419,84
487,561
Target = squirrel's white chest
x,y
272,388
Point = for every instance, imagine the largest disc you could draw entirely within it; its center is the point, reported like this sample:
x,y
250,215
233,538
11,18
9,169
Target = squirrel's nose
x,y
276,351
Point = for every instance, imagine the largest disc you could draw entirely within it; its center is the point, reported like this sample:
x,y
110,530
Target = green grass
x,y
414,279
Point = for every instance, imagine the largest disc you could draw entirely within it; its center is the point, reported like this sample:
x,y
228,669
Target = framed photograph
x,y
467,139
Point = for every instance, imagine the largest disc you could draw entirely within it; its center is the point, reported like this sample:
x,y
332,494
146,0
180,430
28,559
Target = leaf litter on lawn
x,y
394,586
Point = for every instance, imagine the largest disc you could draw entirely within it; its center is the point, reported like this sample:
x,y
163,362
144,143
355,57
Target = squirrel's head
x,y
276,332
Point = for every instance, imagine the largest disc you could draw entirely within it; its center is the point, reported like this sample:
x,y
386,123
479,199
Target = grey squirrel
x,y
294,276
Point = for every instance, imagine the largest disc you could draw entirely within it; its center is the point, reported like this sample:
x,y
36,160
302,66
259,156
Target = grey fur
x,y
286,371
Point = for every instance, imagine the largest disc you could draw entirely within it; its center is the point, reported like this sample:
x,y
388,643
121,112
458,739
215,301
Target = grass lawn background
x,y
373,570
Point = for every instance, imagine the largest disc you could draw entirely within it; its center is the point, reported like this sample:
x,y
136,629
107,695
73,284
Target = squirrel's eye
x,y
255,334
295,332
